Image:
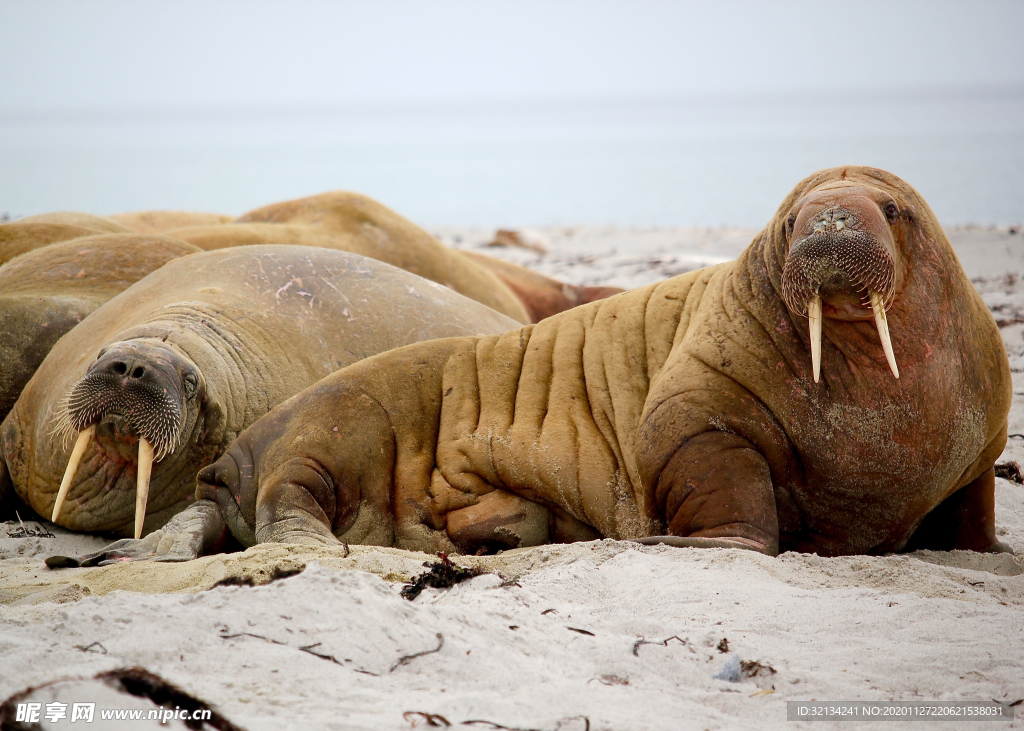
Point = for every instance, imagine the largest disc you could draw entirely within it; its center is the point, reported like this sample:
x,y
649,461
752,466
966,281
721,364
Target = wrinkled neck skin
x,y
868,454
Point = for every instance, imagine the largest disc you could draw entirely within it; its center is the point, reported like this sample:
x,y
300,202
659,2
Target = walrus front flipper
x,y
197,530
965,521
718,487
691,542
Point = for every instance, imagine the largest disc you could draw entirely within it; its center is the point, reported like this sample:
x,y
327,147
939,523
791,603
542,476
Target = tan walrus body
x,y
353,222
28,234
687,408
191,355
158,222
423,256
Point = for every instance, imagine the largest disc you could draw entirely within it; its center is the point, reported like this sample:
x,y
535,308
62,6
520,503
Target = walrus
x,y
34,232
161,379
520,293
356,223
48,291
541,295
840,388
158,222
353,222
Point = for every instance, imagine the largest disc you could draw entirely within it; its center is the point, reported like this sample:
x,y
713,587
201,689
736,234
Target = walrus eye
x,y
790,222
191,383
891,212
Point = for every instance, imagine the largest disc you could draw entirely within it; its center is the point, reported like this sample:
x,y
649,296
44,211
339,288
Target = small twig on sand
x,y
88,648
308,649
432,719
663,643
406,659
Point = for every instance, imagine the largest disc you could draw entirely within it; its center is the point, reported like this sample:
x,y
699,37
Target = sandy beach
x,y
599,635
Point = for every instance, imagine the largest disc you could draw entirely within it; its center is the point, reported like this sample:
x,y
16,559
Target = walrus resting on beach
x,y
28,234
753,404
158,222
541,295
165,375
46,292
353,222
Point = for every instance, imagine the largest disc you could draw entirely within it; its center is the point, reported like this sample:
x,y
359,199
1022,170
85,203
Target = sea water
x,y
661,162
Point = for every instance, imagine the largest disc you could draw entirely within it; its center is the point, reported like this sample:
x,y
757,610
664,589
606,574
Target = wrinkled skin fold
x,y
684,412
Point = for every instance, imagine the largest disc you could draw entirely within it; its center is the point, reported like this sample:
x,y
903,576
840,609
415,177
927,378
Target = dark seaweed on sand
x,y
1010,471
442,575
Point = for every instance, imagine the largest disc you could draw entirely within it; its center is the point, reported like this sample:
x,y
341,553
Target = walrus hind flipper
x,y
717,488
197,530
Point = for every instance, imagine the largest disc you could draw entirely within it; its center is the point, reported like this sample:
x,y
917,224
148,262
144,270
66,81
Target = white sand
x,y
924,626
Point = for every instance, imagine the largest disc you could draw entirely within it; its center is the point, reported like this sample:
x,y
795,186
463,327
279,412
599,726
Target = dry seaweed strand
x,y
413,718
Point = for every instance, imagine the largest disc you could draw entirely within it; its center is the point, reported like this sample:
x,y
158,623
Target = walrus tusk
x,y
883,331
142,487
814,318
69,474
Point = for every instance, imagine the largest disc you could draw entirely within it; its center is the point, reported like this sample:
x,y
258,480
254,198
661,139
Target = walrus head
x,y
843,261
137,401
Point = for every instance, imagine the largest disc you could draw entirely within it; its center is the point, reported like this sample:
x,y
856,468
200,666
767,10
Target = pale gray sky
x,y
117,54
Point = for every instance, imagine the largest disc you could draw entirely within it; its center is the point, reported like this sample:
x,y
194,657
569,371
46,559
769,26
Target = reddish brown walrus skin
x,y
685,408
542,296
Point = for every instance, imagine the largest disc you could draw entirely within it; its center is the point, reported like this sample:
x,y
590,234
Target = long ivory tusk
x,y
814,318
882,324
69,474
142,487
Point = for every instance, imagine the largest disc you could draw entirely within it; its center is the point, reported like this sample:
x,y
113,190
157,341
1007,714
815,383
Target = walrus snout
x,y
135,389
139,383
842,263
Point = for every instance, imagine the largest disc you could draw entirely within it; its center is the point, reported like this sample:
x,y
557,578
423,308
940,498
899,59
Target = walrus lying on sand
x,y
28,234
840,388
165,375
356,223
425,258
542,296
158,222
48,291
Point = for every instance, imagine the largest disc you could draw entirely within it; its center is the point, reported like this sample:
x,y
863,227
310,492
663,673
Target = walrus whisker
x,y
142,486
878,307
69,474
814,320
63,426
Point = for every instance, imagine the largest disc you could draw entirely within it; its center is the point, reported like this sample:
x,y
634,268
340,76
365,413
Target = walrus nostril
x,y
138,372
119,368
